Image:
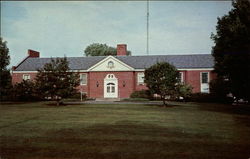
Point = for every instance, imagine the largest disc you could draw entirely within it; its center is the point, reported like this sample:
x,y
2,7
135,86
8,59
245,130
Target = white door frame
x,y
110,81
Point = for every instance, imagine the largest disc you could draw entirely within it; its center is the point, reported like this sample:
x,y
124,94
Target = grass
x,y
135,99
182,130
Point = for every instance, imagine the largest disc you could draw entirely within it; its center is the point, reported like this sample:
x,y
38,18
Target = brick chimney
x,y
32,53
13,68
121,49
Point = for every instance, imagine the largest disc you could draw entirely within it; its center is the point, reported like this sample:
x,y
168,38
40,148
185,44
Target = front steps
x,y
108,99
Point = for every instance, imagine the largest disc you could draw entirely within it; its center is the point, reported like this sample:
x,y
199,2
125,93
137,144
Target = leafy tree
x,y
97,49
232,49
183,90
219,88
162,79
25,91
5,77
54,80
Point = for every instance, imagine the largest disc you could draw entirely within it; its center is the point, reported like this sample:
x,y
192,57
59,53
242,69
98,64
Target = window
x,y
83,79
110,88
181,77
26,77
204,77
113,89
140,78
110,64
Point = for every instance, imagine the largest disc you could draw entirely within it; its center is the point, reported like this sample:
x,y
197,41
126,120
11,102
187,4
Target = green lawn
x,y
182,130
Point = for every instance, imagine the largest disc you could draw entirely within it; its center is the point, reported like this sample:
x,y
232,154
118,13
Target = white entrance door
x,y
204,82
110,86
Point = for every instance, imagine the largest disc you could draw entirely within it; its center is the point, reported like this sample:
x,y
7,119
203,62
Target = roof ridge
x,y
124,56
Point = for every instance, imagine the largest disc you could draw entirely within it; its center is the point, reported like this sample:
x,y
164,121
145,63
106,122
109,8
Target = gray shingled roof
x,y
137,62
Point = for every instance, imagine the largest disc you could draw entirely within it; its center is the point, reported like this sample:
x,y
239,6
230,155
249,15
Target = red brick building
x,y
119,76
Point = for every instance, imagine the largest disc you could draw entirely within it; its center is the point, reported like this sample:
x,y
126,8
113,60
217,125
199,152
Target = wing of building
x,y
119,76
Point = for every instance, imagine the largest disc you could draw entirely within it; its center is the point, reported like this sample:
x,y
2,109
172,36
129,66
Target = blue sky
x,y
63,28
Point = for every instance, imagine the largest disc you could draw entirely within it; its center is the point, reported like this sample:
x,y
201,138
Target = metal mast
x,y
147,25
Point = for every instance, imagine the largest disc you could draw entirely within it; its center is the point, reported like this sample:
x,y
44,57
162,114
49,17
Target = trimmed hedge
x,y
141,94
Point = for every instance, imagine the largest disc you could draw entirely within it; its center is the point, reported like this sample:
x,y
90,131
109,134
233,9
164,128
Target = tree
x,y
55,80
162,79
183,91
219,88
232,49
25,91
5,77
97,49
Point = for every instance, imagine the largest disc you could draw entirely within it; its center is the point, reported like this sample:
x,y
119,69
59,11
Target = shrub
x,y
183,91
141,94
208,97
135,99
25,91
201,97
75,97
219,88
218,93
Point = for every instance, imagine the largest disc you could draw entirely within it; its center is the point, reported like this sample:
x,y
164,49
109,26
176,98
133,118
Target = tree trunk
x,y
164,101
57,102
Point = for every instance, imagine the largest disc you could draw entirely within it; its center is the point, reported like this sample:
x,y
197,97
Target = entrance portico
x,y
110,86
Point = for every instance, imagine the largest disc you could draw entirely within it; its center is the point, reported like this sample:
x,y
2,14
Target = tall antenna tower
x,y
147,25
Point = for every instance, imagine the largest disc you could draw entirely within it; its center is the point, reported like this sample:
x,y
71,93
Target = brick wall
x,y
193,78
18,77
125,83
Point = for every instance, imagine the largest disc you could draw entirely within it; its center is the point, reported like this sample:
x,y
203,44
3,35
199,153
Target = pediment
x,y
110,63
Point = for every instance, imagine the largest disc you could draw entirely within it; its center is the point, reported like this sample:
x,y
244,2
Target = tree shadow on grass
x,y
229,109
55,105
18,102
123,139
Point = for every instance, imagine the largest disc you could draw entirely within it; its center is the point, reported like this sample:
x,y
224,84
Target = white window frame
x,y
182,77
81,79
140,78
208,80
26,75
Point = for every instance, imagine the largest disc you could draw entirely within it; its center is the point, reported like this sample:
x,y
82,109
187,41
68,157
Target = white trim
x,y
37,71
80,71
108,58
139,70
24,71
195,69
185,69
